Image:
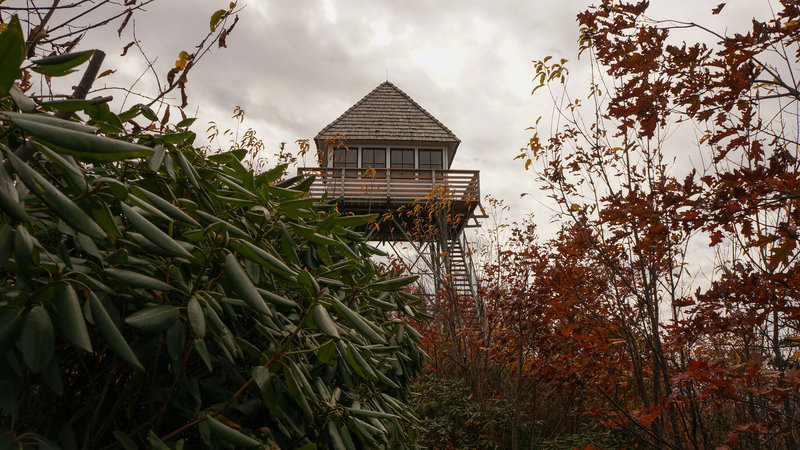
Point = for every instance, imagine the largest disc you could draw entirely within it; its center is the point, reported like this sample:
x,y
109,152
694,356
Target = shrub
x,y
153,295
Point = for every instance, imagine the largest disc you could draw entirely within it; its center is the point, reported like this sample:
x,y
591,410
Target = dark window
x,y
345,157
373,157
402,158
430,159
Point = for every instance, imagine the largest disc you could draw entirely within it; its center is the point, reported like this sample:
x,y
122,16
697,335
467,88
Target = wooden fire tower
x,y
388,155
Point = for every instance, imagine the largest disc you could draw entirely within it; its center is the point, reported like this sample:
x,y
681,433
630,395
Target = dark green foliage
x,y
452,418
182,300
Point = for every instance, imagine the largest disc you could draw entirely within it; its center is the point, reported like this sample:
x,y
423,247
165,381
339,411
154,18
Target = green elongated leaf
x,y
202,350
355,221
153,318
186,122
308,281
149,211
46,119
336,438
357,360
394,284
236,185
147,245
155,160
273,174
68,104
262,257
230,435
103,217
65,61
164,206
371,414
288,244
23,247
38,339
326,352
226,157
83,146
156,442
300,203
10,324
348,440
69,317
232,229
125,440
324,321
12,50
148,113
68,167
188,170
242,284
293,383
278,300
24,103
366,430
55,199
386,380
111,333
138,280
261,376
118,189
196,317
153,233
359,323
9,200
178,138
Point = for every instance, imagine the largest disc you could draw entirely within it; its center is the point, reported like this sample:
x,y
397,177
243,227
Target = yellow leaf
x,y
183,59
215,18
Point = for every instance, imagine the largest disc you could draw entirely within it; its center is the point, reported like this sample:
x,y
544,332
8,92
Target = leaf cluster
x,y
154,295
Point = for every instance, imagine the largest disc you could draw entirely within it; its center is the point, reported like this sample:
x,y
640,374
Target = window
x,y
430,159
345,157
402,158
373,157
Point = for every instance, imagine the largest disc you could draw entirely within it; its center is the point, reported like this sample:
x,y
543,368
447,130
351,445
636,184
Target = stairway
x,y
459,273
462,283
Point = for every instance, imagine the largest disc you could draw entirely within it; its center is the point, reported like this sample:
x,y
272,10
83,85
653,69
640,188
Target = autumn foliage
x,y
667,306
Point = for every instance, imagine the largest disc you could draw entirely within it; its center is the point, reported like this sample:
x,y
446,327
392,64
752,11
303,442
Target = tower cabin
x,y
386,153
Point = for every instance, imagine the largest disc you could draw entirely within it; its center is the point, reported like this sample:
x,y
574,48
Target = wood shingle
x,y
388,114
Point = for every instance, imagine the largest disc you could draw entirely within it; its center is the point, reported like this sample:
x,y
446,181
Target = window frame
x,y
403,163
346,163
430,151
372,151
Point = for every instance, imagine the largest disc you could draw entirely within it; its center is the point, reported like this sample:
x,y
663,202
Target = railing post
x,y
341,189
388,183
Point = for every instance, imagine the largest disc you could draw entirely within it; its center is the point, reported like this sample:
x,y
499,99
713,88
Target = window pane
x,y
345,157
373,157
403,158
430,159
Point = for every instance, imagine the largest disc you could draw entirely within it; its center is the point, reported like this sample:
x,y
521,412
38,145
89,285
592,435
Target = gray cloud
x,y
295,66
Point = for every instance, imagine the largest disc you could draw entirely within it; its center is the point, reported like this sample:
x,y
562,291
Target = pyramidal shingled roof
x,y
387,113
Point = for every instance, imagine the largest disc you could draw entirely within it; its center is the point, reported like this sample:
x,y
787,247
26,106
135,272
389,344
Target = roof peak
x,y
387,113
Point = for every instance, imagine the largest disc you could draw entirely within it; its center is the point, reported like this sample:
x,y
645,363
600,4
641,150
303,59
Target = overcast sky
x,y
296,65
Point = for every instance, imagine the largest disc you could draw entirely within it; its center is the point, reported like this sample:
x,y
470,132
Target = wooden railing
x,y
393,184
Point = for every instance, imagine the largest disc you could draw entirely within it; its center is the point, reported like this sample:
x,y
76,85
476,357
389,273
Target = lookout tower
x,y
388,155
